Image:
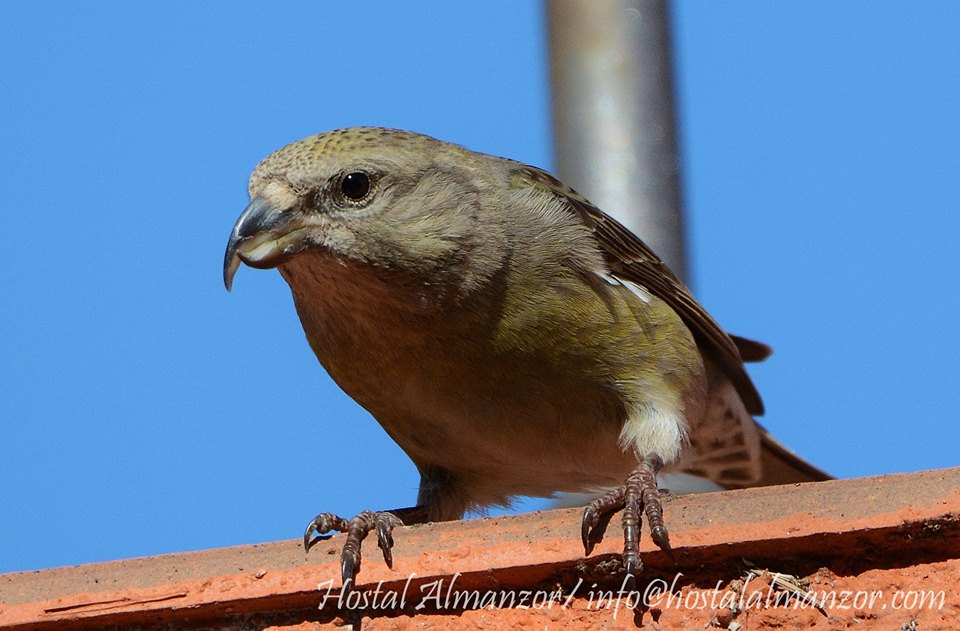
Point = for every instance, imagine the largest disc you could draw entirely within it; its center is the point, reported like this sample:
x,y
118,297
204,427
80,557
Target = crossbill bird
x,y
510,336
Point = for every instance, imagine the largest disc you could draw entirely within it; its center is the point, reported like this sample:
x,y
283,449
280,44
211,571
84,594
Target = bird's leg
x,y
638,491
357,529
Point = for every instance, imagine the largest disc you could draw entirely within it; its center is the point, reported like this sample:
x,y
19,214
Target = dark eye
x,y
355,185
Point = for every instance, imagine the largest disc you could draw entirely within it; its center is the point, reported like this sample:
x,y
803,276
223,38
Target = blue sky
x,y
146,410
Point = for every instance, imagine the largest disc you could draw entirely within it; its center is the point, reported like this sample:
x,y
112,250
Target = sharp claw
x,y
585,527
384,534
631,566
596,516
346,589
349,566
314,526
669,551
387,556
661,537
385,542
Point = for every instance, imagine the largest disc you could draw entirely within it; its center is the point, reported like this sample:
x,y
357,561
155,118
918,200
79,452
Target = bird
x,y
511,337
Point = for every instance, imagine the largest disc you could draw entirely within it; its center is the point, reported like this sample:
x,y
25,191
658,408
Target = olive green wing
x,y
629,258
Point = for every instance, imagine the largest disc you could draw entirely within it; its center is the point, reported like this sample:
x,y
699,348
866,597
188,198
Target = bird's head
x,y
388,198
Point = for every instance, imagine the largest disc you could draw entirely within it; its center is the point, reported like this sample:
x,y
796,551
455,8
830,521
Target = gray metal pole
x,y
613,114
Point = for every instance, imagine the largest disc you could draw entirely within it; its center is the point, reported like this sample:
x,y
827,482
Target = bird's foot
x,y
356,530
639,491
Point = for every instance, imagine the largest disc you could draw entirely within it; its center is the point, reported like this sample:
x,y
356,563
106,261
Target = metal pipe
x,y
613,114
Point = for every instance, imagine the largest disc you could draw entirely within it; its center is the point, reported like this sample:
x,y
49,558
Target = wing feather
x,y
631,259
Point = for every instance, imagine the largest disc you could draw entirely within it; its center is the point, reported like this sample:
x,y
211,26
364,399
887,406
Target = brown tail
x,y
751,350
730,448
778,464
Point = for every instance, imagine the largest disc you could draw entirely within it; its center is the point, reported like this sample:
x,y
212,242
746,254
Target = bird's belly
x,y
533,417
506,426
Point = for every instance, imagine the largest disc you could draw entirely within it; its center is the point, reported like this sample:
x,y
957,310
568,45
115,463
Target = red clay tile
x,y
886,538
